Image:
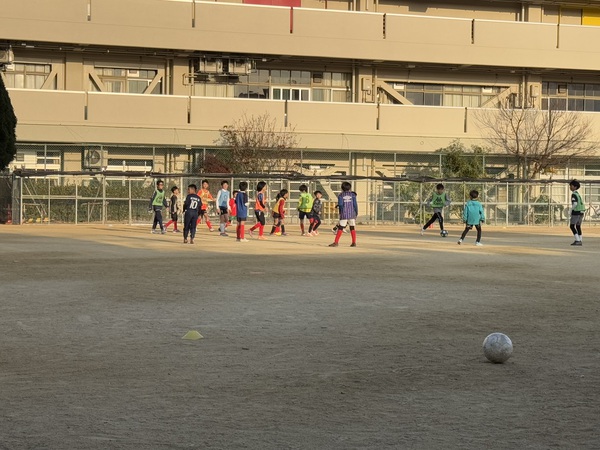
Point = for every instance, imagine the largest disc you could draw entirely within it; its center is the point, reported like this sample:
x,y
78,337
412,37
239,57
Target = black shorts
x,y
260,217
303,215
174,217
202,212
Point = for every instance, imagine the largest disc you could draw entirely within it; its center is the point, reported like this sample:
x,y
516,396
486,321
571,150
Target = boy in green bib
x,y
577,212
439,200
157,202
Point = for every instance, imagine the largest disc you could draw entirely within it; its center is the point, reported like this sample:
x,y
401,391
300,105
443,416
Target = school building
x,y
370,87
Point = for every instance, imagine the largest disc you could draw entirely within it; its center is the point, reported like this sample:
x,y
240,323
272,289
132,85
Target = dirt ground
x,y
305,346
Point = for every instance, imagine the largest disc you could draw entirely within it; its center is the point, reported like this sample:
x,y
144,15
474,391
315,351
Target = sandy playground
x,y
305,346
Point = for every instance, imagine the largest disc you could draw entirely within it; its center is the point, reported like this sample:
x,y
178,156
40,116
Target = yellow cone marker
x,y
192,335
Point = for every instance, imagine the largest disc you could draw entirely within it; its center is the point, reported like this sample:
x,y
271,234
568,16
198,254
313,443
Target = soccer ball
x,y
497,347
444,233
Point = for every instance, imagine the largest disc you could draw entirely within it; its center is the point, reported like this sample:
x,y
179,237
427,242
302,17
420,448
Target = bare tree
x,y
538,139
259,145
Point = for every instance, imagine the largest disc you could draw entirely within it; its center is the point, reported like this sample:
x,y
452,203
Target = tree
x,y
458,162
8,125
258,145
539,140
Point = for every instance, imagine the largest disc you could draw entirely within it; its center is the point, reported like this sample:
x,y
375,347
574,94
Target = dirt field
x,y
305,346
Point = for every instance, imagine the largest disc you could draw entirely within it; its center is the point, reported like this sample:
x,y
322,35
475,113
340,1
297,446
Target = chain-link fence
x,y
104,198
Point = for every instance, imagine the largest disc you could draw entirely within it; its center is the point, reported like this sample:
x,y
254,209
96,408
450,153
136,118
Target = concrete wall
x,y
225,27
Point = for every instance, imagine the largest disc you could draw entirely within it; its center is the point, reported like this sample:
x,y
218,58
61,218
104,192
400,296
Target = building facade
x,y
370,87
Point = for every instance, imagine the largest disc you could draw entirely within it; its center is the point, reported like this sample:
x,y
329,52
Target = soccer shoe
x,y
478,244
163,232
315,233
223,234
278,233
353,244
211,229
153,232
251,233
459,241
242,240
262,238
191,241
284,234
185,241
577,243
422,231
335,244
308,234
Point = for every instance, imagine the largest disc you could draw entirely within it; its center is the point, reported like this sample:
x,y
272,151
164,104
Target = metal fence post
x,y
130,205
103,199
76,201
48,215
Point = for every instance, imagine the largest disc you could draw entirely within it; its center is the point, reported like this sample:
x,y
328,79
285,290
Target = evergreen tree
x,y
8,124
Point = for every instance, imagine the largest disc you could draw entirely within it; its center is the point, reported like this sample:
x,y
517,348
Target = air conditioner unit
x,y
240,66
208,66
7,56
94,158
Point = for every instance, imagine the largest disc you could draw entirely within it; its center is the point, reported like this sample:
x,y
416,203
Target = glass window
x,y
576,104
416,98
300,77
321,95
280,76
27,76
340,79
126,80
260,76
558,104
431,99
575,89
339,95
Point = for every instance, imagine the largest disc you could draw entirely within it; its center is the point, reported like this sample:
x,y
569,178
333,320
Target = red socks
x,y
208,224
338,235
242,231
353,234
261,230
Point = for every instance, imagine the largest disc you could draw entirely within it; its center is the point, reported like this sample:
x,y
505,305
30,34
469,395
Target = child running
x,y
348,207
278,228
191,209
315,214
577,212
473,216
157,202
206,197
241,206
223,206
438,201
304,206
174,209
260,205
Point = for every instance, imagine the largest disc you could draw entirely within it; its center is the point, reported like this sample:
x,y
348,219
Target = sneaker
x,y
211,229
223,234
478,244
242,240
153,232
459,241
262,238
185,241
353,244
333,245
163,232
303,234
577,243
422,231
315,233
308,234
251,233
191,241
278,233
284,234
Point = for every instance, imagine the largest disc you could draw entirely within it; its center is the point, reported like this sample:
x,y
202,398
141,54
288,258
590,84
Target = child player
x,y
191,209
174,209
241,206
223,206
260,205
473,216
206,197
577,212
315,214
439,199
157,202
348,207
232,208
304,206
279,213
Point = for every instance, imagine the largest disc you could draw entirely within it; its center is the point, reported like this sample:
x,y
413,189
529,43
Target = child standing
x,y
315,214
279,213
223,206
304,206
191,209
348,207
206,197
157,202
473,216
439,200
174,209
241,206
260,205
577,212
232,208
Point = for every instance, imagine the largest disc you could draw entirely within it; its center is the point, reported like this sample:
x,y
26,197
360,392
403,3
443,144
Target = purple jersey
x,y
348,205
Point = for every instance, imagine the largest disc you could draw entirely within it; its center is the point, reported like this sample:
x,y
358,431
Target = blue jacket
x,y
241,204
473,213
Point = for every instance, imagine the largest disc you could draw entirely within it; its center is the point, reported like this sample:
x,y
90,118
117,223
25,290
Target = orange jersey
x,y
260,204
206,196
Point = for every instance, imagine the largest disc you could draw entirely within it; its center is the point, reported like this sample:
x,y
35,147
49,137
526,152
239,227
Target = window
x,y
592,170
293,94
48,159
571,96
27,76
446,95
126,80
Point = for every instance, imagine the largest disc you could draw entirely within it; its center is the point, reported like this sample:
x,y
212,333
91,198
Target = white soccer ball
x,y
497,347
